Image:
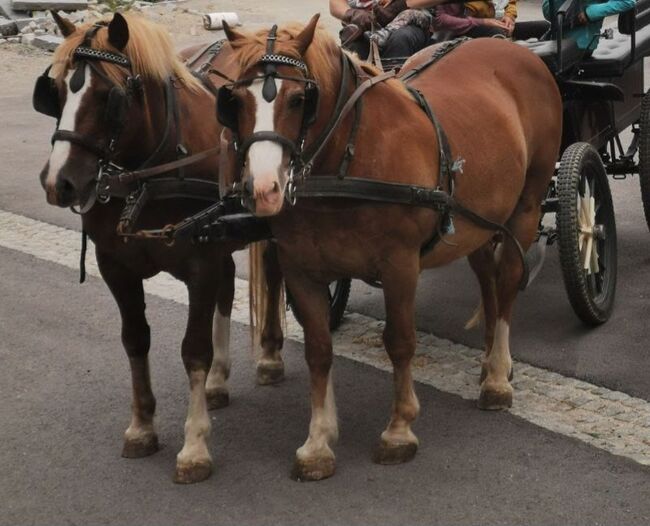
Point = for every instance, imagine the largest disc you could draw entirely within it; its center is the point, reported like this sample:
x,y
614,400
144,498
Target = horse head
x,y
271,109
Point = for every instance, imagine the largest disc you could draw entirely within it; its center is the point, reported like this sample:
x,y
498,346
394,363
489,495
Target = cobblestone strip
x,y
609,420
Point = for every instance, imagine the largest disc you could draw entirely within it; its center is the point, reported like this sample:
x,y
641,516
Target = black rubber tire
x,y
644,155
591,296
339,295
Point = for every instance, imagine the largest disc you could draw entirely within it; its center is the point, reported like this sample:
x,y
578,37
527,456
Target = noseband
x,y
227,108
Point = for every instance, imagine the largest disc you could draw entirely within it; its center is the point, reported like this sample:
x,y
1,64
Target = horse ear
x,y
304,39
232,34
118,32
65,26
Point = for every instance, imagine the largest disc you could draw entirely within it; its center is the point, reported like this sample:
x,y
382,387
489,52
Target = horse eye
x,y
295,102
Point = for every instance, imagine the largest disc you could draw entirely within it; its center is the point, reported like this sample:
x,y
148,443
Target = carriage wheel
x,y
644,155
586,230
339,292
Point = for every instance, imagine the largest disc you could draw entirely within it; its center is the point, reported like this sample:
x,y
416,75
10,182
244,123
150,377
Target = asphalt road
x,y
65,391
66,395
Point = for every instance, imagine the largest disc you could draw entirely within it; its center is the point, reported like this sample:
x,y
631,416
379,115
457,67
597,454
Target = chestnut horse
x,y
83,90
502,112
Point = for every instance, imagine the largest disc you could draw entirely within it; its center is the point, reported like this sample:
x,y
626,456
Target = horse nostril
x,y
276,187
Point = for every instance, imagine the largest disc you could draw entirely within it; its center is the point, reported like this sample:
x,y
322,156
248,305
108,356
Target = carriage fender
x,y
589,90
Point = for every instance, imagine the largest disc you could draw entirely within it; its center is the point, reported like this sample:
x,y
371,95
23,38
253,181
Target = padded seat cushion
x,y
547,51
612,56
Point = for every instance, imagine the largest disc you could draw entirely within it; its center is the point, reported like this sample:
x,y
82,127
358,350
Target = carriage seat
x,y
613,56
547,51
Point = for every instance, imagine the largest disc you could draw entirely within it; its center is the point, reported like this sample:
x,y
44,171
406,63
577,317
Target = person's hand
x,y
493,22
582,18
359,17
509,23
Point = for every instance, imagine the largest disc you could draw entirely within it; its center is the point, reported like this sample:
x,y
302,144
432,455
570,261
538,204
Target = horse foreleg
x,y
398,443
216,386
483,263
496,391
140,439
270,367
315,459
194,463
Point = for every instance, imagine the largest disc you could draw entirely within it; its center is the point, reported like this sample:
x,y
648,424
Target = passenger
x,y
421,18
356,16
585,27
455,20
504,10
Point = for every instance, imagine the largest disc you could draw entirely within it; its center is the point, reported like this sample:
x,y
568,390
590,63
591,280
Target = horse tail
x,y
258,290
476,318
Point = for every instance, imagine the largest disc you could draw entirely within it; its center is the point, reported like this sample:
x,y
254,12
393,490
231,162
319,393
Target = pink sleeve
x,y
447,21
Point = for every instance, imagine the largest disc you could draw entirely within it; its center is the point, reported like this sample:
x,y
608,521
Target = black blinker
x,y
227,108
46,96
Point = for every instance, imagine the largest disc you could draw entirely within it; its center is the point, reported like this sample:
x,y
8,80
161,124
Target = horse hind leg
x,y
496,391
484,264
270,366
140,439
216,385
398,443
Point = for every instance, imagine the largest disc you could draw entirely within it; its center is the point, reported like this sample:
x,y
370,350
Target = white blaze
x,y
61,149
264,157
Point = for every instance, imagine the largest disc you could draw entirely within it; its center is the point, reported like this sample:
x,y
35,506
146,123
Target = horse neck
x,y
149,134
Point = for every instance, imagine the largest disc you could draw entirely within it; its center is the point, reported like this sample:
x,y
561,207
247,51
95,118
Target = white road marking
x,y
606,419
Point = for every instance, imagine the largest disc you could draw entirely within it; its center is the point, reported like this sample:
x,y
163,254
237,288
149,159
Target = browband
x,y
88,53
283,59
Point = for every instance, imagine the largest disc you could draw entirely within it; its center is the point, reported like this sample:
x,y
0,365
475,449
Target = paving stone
x,y
3,40
47,42
13,40
615,396
626,417
38,5
30,22
8,11
7,27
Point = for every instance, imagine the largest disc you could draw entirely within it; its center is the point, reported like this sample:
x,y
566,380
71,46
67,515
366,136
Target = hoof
x,y
217,399
389,454
313,469
141,447
270,374
495,399
192,473
484,375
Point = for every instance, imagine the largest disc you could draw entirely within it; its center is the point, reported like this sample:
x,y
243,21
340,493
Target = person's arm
x,y
546,9
613,7
338,8
445,20
416,4
511,10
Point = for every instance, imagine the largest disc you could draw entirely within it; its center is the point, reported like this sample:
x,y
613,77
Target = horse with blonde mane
x,y
114,88
503,116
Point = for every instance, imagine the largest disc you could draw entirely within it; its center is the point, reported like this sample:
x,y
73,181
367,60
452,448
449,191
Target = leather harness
x,y
304,184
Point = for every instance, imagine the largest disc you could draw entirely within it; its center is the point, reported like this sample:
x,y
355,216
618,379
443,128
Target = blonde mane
x,y
149,49
318,56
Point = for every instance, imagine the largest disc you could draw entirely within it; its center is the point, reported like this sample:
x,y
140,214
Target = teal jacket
x,y
587,36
